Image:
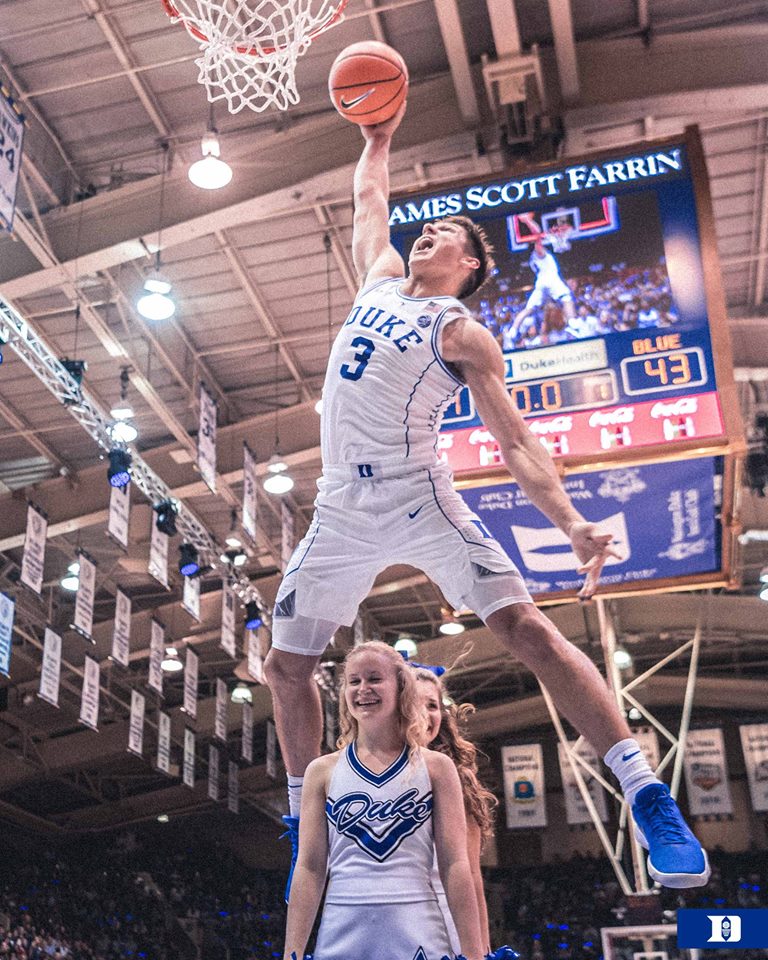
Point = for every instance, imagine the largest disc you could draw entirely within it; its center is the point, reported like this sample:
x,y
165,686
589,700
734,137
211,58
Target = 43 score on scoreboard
x,y
598,299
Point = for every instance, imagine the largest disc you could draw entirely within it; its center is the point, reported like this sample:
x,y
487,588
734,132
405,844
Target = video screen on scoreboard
x,y
597,298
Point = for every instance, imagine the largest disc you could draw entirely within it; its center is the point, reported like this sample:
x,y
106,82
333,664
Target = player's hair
x,y
479,802
411,719
481,248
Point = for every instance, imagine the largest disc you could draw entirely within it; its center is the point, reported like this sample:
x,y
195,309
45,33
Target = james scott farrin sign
x,y
663,517
727,928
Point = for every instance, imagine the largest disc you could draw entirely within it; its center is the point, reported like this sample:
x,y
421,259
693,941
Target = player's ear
x,y
471,263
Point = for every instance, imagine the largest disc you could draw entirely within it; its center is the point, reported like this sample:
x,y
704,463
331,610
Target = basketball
x,y
368,82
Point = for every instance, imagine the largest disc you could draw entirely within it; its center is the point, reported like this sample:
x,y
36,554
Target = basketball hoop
x,y
557,237
250,47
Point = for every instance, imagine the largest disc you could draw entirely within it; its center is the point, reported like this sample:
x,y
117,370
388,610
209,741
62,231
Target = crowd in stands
x,y
611,300
91,901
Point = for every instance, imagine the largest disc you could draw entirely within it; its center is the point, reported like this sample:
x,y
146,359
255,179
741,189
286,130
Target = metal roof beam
x,y
561,16
452,33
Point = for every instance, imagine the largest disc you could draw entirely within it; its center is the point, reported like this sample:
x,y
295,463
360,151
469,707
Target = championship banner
x,y
250,505
255,659
648,742
158,555
156,654
220,716
754,743
119,514
11,144
191,598
191,671
121,632
246,749
233,788
86,594
523,770
706,773
287,542
50,672
575,809
164,742
189,759
33,558
228,642
358,631
7,610
89,702
213,772
206,439
136,725
271,750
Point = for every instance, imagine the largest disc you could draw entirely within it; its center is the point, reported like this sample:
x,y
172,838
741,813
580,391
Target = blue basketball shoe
x,y
292,823
675,856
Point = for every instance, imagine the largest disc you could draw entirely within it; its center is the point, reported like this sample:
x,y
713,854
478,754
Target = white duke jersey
x,y
380,843
387,385
546,270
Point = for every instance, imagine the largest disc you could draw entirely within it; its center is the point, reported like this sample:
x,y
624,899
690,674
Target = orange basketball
x,y
368,82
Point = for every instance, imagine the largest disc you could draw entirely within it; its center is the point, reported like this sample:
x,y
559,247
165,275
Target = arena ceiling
x,y
105,85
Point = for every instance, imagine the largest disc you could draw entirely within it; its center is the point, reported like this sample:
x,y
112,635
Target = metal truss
x,y
28,345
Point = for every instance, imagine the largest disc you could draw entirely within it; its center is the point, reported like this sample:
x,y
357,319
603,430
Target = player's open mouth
x,y
423,244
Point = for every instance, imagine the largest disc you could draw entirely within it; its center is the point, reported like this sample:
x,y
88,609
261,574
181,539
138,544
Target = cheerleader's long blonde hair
x,y
411,721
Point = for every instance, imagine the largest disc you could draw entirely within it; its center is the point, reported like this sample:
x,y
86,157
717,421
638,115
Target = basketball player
x,y
549,285
407,346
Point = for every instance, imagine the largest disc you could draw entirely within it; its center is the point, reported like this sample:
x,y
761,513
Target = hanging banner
x,y
156,654
121,632
206,439
11,145
158,555
648,742
228,641
706,773
220,716
136,725
191,670
213,772
189,758
523,769
191,598
271,750
575,809
249,492
33,558
358,631
119,514
246,750
233,788
89,702
330,723
255,659
288,542
86,594
7,611
164,742
50,672
754,743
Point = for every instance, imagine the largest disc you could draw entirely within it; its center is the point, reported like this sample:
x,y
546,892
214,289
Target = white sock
x,y
294,794
630,767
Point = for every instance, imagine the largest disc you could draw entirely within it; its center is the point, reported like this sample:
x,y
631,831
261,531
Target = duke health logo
x,y
736,929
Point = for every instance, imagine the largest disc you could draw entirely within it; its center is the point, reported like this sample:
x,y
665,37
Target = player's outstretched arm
x,y
373,254
473,350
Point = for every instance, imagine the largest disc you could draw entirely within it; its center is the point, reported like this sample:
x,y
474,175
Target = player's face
x,y
441,243
371,687
429,697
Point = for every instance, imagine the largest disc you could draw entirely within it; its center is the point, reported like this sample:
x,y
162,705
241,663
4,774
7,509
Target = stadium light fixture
x,y
171,663
407,647
451,626
241,694
210,173
71,580
189,564
253,619
119,470
165,521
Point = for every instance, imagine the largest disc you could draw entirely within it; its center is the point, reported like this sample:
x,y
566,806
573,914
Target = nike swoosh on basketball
x,y
348,104
412,515
628,756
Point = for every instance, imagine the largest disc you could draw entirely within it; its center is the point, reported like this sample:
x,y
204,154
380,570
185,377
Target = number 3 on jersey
x,y
362,357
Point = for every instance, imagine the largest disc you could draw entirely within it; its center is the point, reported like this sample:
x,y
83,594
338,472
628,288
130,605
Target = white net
x,y
250,47
558,238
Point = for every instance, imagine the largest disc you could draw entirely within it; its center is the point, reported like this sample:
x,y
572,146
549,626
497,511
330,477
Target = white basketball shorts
x,y
360,527
556,290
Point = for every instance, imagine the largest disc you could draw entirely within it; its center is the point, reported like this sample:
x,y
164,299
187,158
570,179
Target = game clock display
x,y
598,299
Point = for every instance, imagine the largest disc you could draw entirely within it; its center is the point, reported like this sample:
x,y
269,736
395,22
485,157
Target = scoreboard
x,y
607,301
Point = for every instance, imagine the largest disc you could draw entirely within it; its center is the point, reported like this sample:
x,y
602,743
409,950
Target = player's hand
x,y
592,548
387,129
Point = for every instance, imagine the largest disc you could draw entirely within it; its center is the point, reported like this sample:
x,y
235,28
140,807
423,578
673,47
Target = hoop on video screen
x,y
250,47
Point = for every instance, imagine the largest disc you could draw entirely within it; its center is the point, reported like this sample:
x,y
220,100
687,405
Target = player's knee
x,y
283,671
528,634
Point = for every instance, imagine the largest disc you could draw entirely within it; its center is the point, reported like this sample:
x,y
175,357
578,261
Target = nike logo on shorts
x,y
348,104
412,515
628,756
